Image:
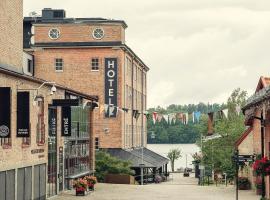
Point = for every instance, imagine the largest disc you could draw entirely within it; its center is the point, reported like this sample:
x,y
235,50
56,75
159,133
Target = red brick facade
x,y
124,131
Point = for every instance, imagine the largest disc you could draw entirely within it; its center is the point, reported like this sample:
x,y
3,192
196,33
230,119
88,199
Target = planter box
x,y
119,179
80,193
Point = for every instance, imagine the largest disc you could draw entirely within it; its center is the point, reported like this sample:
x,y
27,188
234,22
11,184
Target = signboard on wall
x,y
111,86
5,110
52,122
23,114
66,121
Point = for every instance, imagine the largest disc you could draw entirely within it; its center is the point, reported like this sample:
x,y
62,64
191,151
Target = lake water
x,y
186,149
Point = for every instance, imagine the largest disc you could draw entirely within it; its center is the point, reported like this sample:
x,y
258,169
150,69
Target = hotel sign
x,y
111,86
5,111
66,121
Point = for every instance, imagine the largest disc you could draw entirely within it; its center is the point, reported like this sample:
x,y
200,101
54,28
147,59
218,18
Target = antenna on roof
x,y
34,15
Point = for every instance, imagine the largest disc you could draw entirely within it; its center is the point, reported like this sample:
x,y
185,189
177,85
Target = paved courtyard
x,y
176,189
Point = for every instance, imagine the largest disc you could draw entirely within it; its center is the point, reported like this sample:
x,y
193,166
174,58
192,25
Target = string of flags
x,y
113,110
193,117
171,118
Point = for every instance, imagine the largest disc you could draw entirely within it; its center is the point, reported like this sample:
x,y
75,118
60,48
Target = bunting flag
x,y
136,114
238,109
111,110
210,123
154,115
225,112
101,108
106,107
179,116
170,118
197,116
125,109
166,117
159,117
173,118
190,117
187,119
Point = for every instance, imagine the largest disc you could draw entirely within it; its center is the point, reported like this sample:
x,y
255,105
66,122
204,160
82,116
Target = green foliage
x,y
217,153
173,155
106,164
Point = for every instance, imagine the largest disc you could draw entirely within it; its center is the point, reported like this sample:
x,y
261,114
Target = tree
x,y
231,129
173,155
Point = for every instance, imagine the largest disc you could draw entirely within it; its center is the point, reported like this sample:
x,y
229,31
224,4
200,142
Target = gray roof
x,y
134,156
40,20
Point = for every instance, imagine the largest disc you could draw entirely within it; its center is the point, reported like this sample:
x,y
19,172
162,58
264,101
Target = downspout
x,y
132,103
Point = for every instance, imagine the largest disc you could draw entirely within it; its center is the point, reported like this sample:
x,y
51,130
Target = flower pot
x,y
91,187
259,191
80,192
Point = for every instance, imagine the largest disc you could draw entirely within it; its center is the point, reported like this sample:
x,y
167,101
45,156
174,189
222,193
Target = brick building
x,y
90,55
256,139
36,155
76,52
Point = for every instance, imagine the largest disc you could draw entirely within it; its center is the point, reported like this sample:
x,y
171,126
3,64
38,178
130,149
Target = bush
x,y
106,164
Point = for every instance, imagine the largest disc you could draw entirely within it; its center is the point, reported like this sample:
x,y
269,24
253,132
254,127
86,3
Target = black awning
x,y
134,156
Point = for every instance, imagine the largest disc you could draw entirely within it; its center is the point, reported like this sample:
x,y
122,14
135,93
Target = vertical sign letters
x,y
66,121
23,114
111,86
5,112
52,122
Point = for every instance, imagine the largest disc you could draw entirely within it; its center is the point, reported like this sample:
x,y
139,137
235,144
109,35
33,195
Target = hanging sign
x,y
52,122
66,121
111,85
23,114
5,112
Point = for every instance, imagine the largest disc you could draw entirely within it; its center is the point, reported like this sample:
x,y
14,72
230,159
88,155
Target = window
x,y
59,64
30,66
97,143
95,64
98,33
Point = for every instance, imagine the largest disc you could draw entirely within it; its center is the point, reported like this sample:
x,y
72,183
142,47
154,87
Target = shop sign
x,y
66,121
5,109
23,114
52,122
111,85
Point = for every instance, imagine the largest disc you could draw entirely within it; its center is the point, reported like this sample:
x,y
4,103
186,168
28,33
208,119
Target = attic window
x,y
58,14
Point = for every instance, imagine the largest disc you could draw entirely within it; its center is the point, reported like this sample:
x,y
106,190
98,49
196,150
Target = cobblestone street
x,y
178,188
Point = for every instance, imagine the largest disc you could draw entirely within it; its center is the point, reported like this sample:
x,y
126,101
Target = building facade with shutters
x,y
90,55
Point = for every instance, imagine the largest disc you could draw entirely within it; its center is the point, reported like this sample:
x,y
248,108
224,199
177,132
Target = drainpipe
x,y
132,103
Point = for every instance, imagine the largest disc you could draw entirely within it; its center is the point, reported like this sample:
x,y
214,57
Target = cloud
x,y
196,50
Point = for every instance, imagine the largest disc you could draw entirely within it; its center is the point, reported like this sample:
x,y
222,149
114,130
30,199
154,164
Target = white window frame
x,y
58,62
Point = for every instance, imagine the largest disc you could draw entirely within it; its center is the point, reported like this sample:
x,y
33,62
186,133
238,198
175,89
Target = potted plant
x,y
258,185
243,183
80,186
262,166
91,181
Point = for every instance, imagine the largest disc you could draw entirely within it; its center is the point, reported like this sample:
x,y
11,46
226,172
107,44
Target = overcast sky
x,y
197,50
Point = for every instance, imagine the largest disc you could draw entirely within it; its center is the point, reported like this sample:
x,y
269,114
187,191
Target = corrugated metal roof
x,y
150,158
